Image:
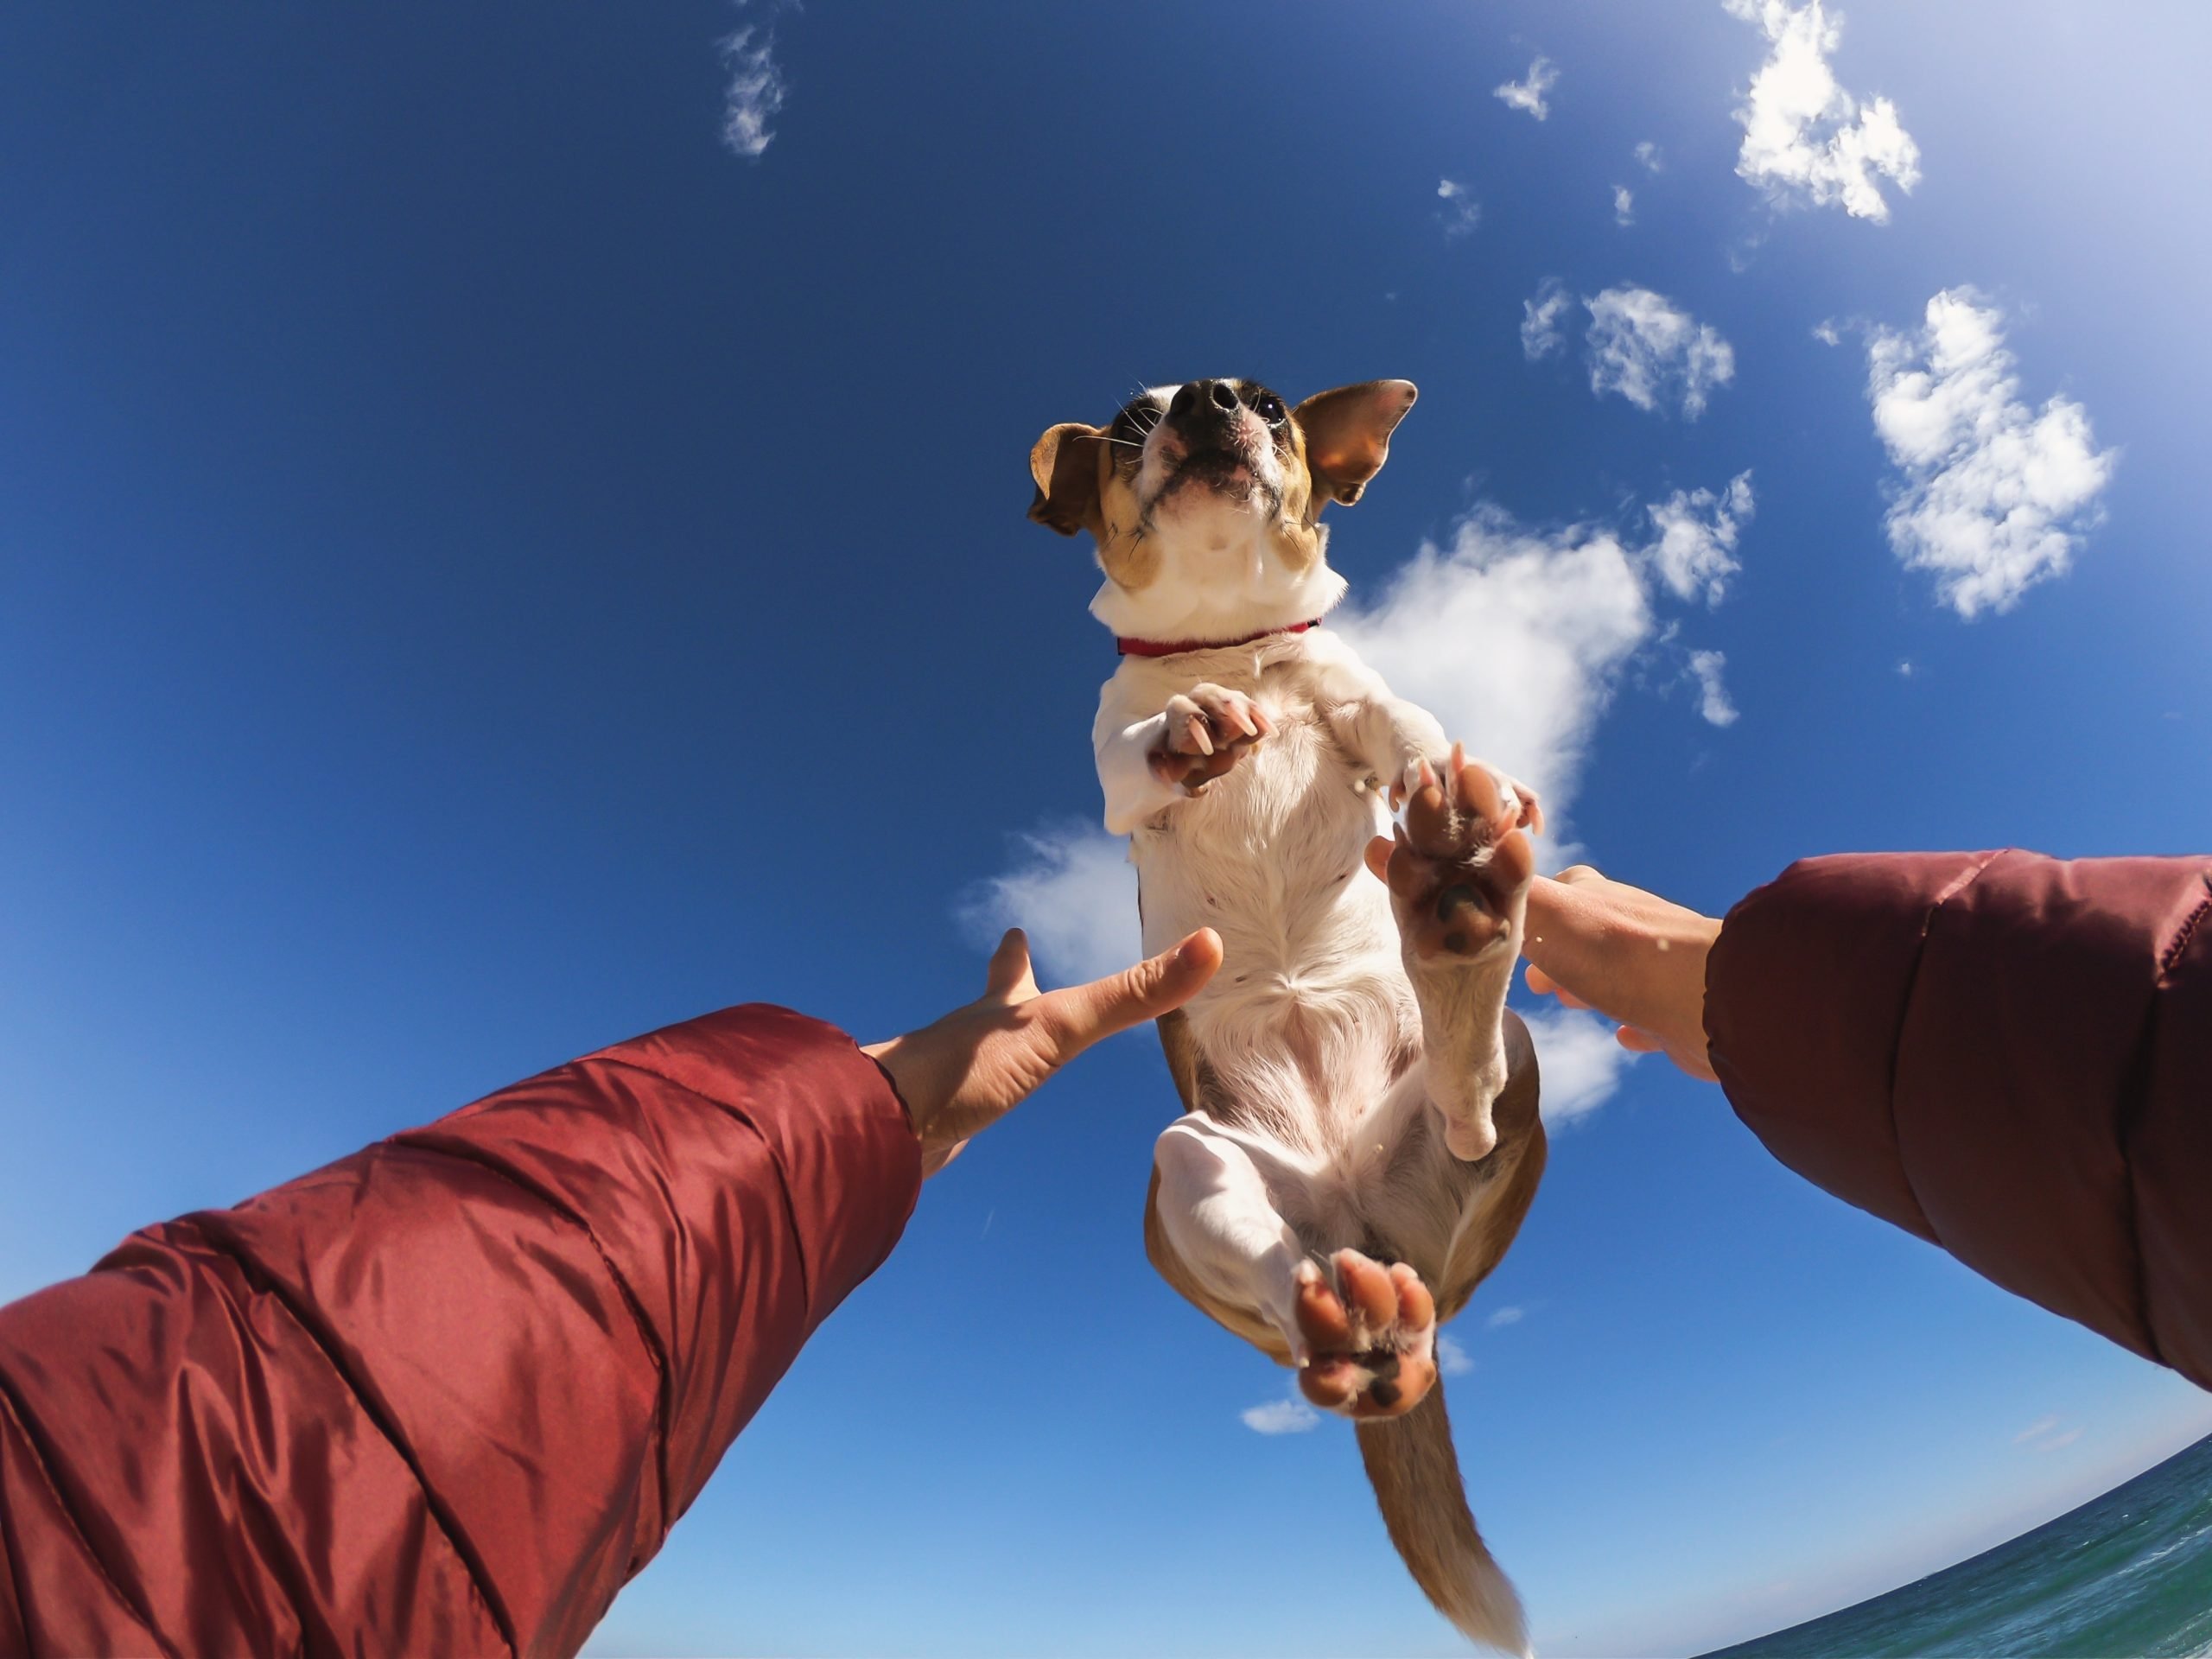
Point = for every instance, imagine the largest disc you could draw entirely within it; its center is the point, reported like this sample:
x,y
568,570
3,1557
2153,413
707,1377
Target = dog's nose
x,y
1203,402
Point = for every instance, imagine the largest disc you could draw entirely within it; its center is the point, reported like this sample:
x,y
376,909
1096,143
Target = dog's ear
x,y
1348,434
1064,463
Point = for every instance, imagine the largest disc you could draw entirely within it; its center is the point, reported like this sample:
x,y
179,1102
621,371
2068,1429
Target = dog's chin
x,y
1211,478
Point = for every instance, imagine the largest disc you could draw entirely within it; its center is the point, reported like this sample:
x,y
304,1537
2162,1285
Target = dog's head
x,y
1205,499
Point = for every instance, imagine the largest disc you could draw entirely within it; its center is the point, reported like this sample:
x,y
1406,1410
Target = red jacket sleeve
x,y
2007,1054
447,1394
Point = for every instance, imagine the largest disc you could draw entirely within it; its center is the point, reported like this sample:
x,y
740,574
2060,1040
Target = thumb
x,y
1009,978
1082,1015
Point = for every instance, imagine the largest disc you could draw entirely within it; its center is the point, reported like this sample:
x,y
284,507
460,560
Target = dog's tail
x,y
1415,1473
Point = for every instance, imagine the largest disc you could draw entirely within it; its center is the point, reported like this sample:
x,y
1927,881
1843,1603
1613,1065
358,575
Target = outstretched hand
x,y
961,1075
1636,958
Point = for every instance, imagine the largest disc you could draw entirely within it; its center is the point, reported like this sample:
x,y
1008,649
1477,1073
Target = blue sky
x,y
487,568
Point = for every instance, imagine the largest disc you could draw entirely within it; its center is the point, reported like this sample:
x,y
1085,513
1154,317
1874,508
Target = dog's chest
x,y
1271,858
1266,852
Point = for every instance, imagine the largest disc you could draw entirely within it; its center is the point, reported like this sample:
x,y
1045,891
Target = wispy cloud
x,y
1528,95
1581,1061
1713,694
1542,319
755,93
1994,496
1827,333
1623,206
1695,553
1461,212
1072,889
1806,139
1651,351
2045,1434
1451,1360
1502,1316
1291,1416
1648,154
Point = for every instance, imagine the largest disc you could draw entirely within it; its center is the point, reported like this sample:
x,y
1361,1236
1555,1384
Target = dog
x,y
1360,1139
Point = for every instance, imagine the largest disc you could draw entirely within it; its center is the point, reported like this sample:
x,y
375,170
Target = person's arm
x,y
447,1394
2007,1054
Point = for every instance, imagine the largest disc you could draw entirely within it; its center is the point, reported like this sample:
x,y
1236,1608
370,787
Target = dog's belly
x,y
1311,1017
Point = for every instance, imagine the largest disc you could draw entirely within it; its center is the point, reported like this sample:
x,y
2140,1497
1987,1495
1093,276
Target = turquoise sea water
x,y
2126,1576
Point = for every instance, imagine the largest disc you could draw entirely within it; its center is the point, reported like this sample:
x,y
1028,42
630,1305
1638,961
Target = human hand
x,y
1636,958
961,1075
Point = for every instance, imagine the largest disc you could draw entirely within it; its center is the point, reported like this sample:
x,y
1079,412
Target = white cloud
x,y
1528,94
2041,1426
1804,136
1698,531
1624,205
1461,212
1713,695
1517,639
1074,892
1541,331
1505,1316
1648,154
1451,1360
754,94
1581,1059
1827,333
1292,1416
1994,496
1645,348
1512,638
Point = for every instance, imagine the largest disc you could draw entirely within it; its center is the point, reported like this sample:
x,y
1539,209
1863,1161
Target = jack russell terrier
x,y
1360,1139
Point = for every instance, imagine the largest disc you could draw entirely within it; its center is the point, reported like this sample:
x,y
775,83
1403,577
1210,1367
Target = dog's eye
x,y
1268,408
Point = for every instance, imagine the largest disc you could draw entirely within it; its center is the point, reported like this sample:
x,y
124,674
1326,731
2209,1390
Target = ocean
x,y
2126,1576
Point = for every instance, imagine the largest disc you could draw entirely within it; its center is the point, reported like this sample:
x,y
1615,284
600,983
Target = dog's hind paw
x,y
1370,1338
1458,867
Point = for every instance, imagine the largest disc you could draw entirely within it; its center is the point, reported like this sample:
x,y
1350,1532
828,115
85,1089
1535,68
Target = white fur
x,y
1316,995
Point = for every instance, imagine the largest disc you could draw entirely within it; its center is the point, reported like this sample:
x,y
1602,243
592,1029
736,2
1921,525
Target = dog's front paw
x,y
1460,866
1208,729
1370,1338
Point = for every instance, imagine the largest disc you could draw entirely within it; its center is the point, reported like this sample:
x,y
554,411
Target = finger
x,y
1574,875
1010,978
1378,857
1641,1042
1544,985
1074,1019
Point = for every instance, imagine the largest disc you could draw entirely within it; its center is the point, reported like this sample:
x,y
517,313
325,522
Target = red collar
x,y
1176,647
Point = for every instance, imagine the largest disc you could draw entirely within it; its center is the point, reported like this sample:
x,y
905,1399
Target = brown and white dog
x,y
1360,1139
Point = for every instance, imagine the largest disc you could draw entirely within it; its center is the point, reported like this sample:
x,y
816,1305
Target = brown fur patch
x,y
1515,1165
